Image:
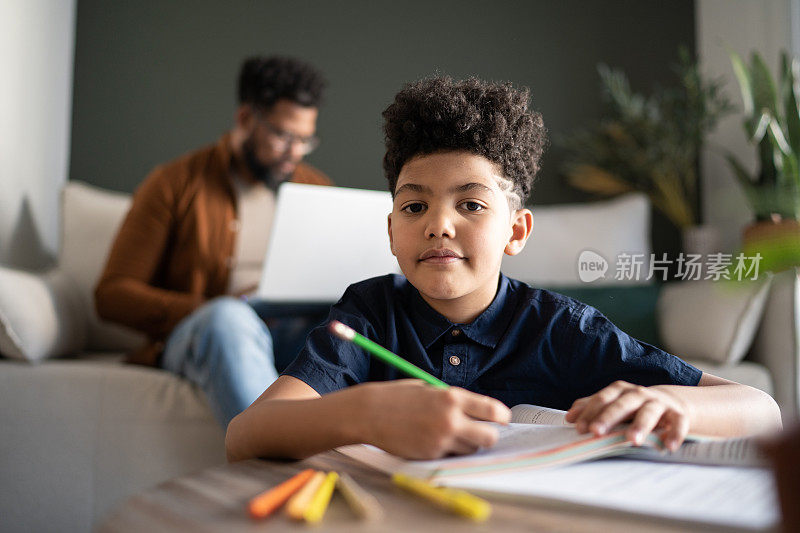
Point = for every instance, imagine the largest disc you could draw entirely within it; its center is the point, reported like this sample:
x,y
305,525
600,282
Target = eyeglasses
x,y
282,140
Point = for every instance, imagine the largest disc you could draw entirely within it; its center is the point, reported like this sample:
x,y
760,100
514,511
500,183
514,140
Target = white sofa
x,y
81,431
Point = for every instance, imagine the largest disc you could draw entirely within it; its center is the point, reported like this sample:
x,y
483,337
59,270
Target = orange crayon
x,y
266,502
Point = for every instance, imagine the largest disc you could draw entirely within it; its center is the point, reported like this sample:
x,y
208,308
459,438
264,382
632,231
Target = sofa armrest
x,y
745,372
41,315
777,346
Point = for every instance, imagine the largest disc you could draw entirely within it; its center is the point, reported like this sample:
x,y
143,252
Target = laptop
x,y
323,239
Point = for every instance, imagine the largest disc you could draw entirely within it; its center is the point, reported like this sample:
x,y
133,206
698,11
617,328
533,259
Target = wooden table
x,y
214,500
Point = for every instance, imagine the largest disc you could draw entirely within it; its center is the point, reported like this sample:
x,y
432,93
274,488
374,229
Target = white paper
x,y
731,452
729,496
534,414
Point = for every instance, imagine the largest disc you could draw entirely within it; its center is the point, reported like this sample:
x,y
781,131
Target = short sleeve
x,y
599,353
327,363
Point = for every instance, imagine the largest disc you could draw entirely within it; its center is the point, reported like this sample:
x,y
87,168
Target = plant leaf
x,y
758,130
785,159
791,74
768,175
764,92
596,180
745,84
775,131
740,172
669,198
792,168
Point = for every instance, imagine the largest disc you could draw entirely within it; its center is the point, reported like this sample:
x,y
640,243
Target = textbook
x,y
540,437
539,456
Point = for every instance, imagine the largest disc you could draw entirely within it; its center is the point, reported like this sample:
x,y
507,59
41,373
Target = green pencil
x,y
349,334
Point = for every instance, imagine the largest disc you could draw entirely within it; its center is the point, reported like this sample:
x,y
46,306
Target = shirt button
x,y
455,360
456,332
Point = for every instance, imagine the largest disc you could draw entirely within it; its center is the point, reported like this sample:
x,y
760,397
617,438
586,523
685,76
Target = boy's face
x,y
449,227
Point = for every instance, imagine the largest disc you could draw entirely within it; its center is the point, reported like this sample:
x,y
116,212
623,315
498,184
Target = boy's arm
x,y
403,417
715,407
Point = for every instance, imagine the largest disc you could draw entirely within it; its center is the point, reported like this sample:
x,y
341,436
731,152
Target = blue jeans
x,y
226,348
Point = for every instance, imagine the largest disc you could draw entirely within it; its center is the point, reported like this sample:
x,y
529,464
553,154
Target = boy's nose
x,y
440,225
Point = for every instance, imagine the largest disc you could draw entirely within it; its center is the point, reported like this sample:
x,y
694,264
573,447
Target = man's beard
x,y
267,174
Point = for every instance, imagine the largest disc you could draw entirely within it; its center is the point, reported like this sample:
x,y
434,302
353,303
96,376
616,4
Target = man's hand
x,y
648,408
414,420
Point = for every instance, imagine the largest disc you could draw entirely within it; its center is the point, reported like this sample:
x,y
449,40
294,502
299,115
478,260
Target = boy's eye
x,y
471,206
414,208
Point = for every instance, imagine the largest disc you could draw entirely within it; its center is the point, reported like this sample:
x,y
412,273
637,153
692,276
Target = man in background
x,y
191,247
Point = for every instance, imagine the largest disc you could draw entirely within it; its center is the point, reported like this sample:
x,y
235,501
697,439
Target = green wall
x,y
156,79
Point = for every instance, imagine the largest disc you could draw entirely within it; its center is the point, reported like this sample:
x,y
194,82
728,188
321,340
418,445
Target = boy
x,y
460,160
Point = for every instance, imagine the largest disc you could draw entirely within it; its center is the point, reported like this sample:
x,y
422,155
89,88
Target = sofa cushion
x,y
711,321
561,233
41,315
90,219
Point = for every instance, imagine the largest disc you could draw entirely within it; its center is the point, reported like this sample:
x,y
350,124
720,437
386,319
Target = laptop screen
x,y
324,239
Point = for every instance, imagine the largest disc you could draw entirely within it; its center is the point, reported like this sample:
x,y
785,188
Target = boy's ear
x,y
391,241
521,227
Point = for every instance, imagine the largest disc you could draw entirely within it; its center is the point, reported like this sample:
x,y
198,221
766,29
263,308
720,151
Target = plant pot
x,y
777,241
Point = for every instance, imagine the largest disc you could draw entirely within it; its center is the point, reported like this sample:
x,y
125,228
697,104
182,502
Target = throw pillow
x,y
90,219
40,315
711,321
561,233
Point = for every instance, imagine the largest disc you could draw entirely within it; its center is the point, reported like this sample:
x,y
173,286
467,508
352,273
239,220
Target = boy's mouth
x,y
439,255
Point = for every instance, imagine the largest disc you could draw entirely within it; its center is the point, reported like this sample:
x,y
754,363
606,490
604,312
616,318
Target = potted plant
x,y
650,143
772,125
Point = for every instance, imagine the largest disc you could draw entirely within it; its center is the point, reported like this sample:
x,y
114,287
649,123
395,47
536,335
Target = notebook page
x,y
728,496
741,452
514,441
533,414
525,438
696,449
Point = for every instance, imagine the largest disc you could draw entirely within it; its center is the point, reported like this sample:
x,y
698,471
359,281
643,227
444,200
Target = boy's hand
x,y
414,420
649,408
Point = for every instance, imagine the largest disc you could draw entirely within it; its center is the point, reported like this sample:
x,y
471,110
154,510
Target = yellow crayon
x,y
298,503
319,503
361,502
457,501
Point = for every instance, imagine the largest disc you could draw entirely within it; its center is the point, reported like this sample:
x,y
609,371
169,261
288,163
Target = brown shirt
x,y
173,250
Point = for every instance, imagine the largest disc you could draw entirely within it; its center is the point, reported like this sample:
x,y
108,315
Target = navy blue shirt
x,y
529,346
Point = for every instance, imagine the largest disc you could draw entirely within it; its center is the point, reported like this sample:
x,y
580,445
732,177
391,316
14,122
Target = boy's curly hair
x,y
265,80
484,118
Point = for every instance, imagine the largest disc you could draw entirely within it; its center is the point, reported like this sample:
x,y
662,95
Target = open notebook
x,y
539,456
324,239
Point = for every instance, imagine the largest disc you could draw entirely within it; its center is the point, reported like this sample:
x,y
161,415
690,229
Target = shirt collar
x,y
486,329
